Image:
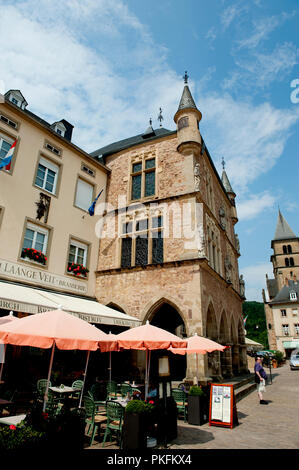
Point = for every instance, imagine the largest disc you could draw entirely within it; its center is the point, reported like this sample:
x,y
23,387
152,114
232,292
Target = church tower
x,y
285,259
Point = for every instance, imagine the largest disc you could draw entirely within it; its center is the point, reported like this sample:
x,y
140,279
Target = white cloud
x,y
250,207
255,280
231,13
250,137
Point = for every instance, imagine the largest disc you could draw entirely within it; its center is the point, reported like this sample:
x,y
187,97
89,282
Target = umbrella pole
x,y
146,374
110,364
4,352
197,368
85,372
49,376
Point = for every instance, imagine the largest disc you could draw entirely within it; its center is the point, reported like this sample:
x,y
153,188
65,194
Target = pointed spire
x,y
225,181
187,100
149,131
283,230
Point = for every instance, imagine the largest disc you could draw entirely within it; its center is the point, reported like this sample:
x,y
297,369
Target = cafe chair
x,y
97,393
115,415
41,388
78,384
111,390
92,418
181,400
125,389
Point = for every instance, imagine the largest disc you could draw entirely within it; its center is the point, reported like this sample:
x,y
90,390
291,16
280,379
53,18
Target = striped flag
x,y
6,162
244,320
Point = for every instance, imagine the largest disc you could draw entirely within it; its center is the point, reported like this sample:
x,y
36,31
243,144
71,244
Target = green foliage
x,y
278,356
19,437
195,390
136,406
256,318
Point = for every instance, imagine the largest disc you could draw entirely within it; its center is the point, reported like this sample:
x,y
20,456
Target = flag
x,y
92,207
6,162
244,320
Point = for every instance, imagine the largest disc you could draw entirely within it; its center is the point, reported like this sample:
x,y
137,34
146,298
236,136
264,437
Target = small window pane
x,y
28,239
149,184
127,227
5,146
157,221
141,251
136,187
141,225
126,252
137,167
157,255
150,163
84,195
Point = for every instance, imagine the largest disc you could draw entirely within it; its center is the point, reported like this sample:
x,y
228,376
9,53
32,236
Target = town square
x,y
149,247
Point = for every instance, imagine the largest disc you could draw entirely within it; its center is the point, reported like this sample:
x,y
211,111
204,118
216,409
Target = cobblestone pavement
x,y
272,426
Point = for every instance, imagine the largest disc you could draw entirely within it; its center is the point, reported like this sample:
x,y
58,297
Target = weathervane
x,y
223,163
160,117
185,77
150,121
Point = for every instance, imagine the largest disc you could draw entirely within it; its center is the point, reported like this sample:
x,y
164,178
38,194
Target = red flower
x,y
12,427
45,415
151,402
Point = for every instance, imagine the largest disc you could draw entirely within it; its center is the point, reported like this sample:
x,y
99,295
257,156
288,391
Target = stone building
x,y
44,198
168,249
281,297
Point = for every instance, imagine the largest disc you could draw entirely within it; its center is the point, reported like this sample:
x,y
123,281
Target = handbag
x,y
262,387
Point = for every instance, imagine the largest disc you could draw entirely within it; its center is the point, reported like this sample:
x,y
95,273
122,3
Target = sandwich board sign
x,y
223,409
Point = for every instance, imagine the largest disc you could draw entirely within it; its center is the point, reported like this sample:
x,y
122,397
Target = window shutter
x,y
84,194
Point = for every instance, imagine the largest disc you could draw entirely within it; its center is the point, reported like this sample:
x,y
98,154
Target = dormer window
x,y
16,97
293,295
59,128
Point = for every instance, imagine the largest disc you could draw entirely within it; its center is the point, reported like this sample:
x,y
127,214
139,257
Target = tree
x,y
256,327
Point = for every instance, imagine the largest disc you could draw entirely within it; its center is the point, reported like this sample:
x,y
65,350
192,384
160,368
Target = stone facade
x,y
197,275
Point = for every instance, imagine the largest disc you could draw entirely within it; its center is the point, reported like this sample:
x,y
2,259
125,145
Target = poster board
x,y
223,409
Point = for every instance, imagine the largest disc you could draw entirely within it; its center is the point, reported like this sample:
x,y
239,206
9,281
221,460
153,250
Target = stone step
x,y
243,391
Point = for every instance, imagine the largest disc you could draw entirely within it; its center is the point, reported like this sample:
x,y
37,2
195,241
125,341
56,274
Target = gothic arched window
x,y
286,260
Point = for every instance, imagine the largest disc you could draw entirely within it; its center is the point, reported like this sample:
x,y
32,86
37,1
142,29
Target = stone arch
x,y
242,347
224,334
224,339
212,333
116,307
165,314
241,332
156,303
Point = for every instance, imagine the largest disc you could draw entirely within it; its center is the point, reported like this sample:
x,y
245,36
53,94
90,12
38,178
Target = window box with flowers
x,y
36,256
77,270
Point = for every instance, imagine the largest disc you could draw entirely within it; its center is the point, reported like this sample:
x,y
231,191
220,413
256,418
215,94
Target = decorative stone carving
x,y
197,177
43,206
242,286
222,218
228,269
237,242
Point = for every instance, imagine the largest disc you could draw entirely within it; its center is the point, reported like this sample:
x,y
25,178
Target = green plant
x,y
196,391
278,356
136,406
19,437
77,269
34,255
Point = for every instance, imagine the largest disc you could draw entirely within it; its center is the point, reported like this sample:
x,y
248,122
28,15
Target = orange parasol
x,y
198,345
7,319
148,337
56,327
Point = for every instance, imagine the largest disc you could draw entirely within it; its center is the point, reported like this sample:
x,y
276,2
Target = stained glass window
x,y
149,184
137,167
150,163
126,252
157,254
141,257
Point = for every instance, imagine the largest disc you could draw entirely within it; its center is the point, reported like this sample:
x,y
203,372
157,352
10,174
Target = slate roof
x,y
130,142
283,230
272,288
226,183
187,100
283,295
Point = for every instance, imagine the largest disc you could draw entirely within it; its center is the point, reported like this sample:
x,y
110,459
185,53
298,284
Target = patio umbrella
x,y
113,339
198,345
56,327
7,319
148,337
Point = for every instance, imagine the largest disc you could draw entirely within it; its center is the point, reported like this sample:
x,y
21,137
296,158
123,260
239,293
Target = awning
x,y
29,300
290,344
253,344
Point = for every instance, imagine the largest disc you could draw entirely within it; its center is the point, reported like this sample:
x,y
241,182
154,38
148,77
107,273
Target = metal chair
x,y
111,390
92,419
115,415
125,389
78,384
41,388
181,400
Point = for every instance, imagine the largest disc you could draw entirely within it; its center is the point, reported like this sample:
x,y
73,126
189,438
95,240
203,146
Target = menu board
x,y
223,410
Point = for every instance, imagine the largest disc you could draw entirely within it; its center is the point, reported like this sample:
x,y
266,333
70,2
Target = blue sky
x,y
107,67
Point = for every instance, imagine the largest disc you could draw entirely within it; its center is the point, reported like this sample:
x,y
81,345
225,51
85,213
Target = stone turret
x,y
231,194
187,119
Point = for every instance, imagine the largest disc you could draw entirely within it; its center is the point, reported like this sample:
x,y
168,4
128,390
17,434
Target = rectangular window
x,y
296,328
87,170
283,313
141,251
52,148
8,121
35,239
46,176
285,330
143,179
126,252
5,144
84,194
157,253
77,258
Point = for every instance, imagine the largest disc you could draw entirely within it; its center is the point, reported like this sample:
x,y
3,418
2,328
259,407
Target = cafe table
x,y
63,389
12,420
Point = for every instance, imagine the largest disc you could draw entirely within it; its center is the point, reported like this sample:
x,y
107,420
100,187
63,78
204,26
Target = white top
x,y
12,420
64,389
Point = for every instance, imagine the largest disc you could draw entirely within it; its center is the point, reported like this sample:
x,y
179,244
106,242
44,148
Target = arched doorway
x,y
166,316
225,356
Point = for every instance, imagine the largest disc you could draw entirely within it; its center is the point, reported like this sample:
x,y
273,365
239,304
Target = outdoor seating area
x,y
85,410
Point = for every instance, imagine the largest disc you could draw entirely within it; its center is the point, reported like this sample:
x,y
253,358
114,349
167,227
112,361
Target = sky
x,y
108,66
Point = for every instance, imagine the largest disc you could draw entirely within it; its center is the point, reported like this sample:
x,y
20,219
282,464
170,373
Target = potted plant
x,y
20,437
197,406
77,269
34,255
135,425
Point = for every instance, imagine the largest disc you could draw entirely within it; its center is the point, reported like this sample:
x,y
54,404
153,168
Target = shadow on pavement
x,y
192,436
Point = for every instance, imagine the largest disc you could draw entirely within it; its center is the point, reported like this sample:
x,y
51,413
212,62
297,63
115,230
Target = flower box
x,y
77,269
34,255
